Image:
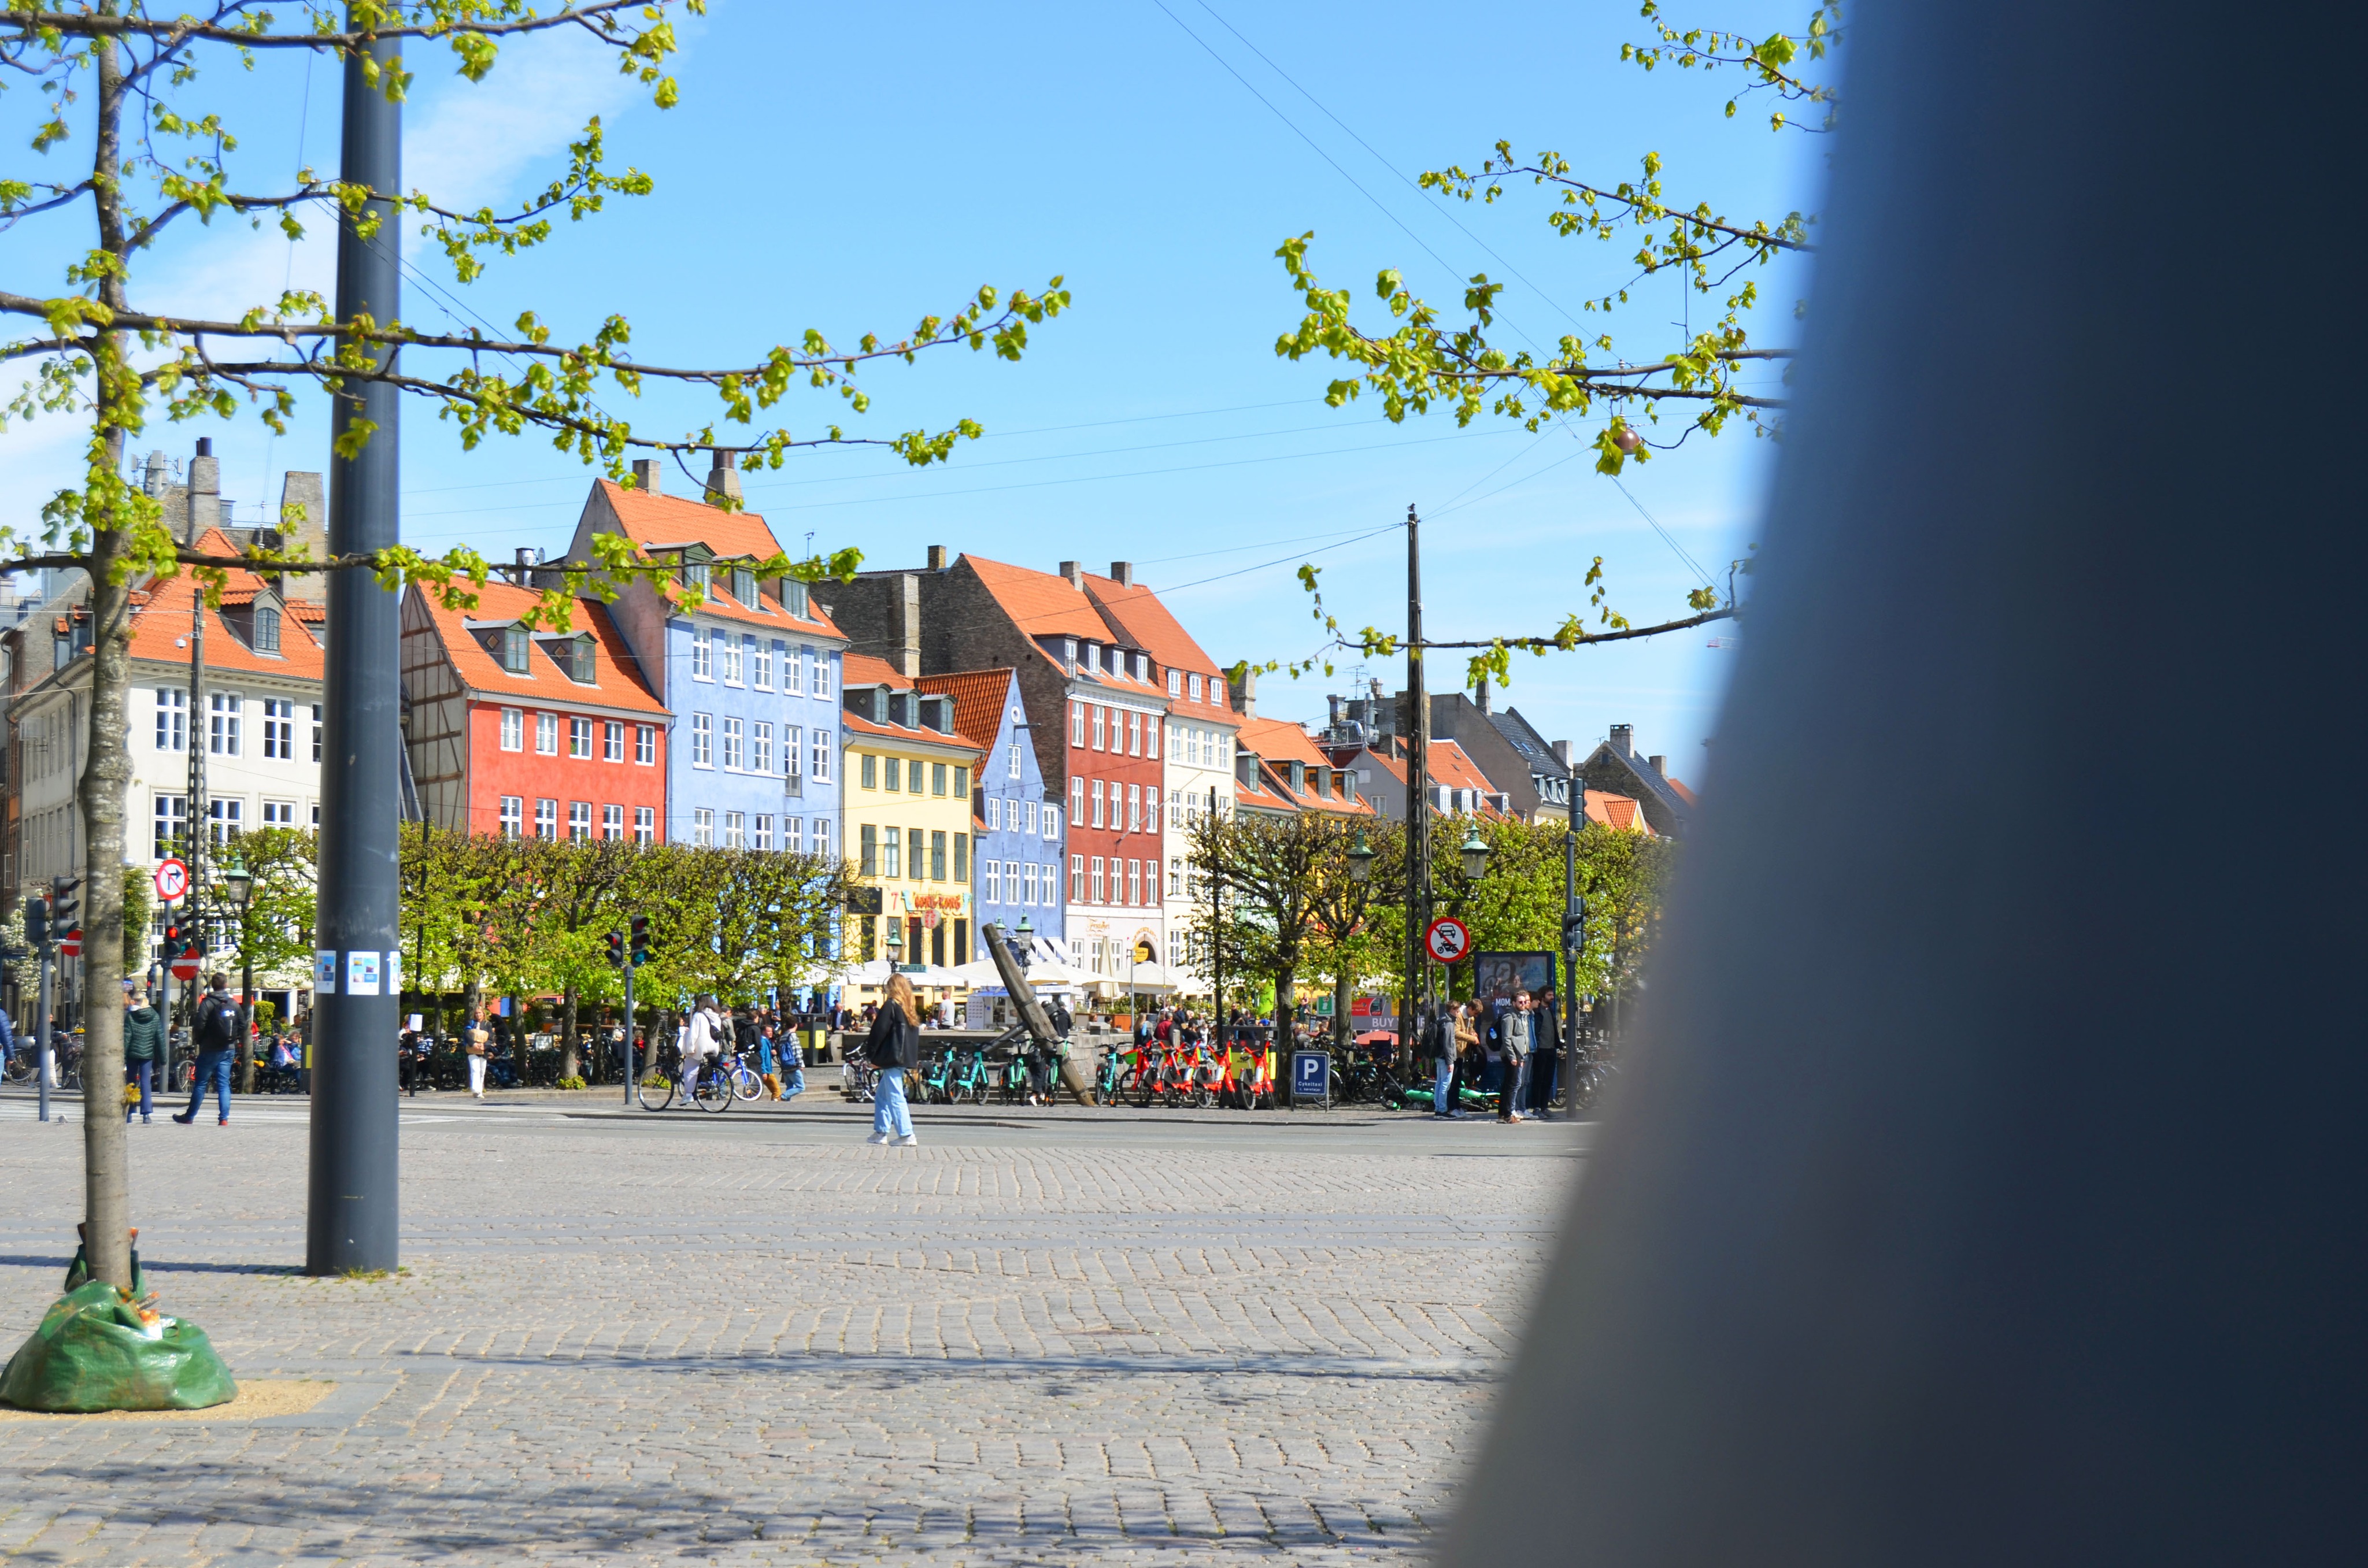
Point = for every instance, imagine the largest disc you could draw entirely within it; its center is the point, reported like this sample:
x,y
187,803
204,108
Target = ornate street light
x,y
895,942
1027,934
238,883
1476,855
1360,858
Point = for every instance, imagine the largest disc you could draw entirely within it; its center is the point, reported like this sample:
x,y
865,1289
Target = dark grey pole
x,y
1417,894
351,1220
45,1045
631,1074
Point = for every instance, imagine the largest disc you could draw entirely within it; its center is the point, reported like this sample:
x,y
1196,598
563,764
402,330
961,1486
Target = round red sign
x,y
1448,939
72,947
186,967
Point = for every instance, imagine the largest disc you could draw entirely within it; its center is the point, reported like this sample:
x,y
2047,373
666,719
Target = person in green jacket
x,y
143,1047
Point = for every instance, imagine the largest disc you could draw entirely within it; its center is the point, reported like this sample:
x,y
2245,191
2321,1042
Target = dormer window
x,y
1175,683
743,586
1094,657
1193,684
1143,668
574,657
267,629
516,641
793,598
694,576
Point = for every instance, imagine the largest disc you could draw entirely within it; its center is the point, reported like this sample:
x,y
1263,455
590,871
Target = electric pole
x,y
351,1216
1418,901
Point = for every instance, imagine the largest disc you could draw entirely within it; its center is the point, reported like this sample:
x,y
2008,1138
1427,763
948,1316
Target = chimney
x,y
305,525
1123,574
1656,762
936,558
1077,577
723,480
205,489
1243,693
904,625
1623,739
1482,696
645,475
1333,726
1562,753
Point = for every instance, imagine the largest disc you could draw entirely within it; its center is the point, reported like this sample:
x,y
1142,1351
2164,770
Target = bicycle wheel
x,y
654,1092
745,1084
712,1093
1146,1085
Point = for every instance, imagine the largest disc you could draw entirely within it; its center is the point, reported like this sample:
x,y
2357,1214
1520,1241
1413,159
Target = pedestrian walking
x,y
894,1047
1439,1030
1516,1033
480,1042
215,1033
761,1025
143,1047
1545,1056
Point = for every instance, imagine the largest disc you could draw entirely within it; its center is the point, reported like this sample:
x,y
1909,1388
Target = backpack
x,y
217,1022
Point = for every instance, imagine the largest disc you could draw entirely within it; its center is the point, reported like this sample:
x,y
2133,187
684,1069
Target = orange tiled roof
x,y
866,669
856,724
1140,620
1618,812
1272,738
165,617
1041,603
1684,794
980,697
618,680
654,521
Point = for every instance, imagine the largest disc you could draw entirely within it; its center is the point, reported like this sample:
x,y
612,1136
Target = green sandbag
x,y
78,1272
92,1353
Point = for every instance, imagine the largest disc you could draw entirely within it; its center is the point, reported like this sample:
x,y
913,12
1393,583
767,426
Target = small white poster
x,y
395,972
324,974
362,974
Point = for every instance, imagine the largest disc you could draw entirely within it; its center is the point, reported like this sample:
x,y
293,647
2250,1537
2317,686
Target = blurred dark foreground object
x,y
1990,1184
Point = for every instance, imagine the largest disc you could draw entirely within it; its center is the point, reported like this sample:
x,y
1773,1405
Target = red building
x,y
514,731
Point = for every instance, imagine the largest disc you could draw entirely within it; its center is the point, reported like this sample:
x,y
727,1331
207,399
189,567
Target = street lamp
x,y
238,888
238,883
1476,855
1360,858
1027,934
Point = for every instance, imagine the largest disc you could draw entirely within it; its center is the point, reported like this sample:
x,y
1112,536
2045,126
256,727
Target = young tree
x,y
1278,875
580,884
123,80
273,934
1350,939
1426,360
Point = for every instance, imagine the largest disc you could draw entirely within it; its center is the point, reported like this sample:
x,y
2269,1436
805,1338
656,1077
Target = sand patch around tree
x,y
257,1399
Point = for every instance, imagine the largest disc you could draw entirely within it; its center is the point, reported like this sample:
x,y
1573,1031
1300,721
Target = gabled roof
x,y
1684,793
1042,604
981,699
618,680
1618,811
1276,738
657,522
1448,764
865,669
861,670
1277,744
1523,737
163,618
1139,619
855,723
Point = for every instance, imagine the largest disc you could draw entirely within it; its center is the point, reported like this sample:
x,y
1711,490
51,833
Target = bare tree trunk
x,y
106,770
1341,1033
567,1062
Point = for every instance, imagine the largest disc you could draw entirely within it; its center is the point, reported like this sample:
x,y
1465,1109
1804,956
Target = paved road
x,y
1040,1336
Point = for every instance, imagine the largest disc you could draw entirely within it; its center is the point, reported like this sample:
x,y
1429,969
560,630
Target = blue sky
x,y
852,168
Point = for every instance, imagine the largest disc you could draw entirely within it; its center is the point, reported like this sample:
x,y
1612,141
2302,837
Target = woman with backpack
x,y
894,1047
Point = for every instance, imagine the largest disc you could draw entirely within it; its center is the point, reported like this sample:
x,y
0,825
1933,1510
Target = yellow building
x,y
906,798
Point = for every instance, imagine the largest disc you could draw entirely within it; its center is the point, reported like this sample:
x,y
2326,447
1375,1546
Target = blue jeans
x,y
145,1074
1442,1074
795,1085
888,1112
213,1072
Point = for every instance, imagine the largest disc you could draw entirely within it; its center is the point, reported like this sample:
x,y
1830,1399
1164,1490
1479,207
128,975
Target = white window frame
x,y
703,740
703,827
760,746
760,832
612,741
513,728
645,824
579,821
702,656
820,692
994,882
735,743
223,711
729,670
735,830
172,718
579,739
546,819
793,668
645,746
760,661
822,837
1076,723
793,835
513,816
546,734
994,814
820,772
612,822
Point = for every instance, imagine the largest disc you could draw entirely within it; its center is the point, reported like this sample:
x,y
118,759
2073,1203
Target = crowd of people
x,y
1510,1048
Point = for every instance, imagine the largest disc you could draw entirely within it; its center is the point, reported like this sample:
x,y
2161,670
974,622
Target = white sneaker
x,y
908,1141
877,1138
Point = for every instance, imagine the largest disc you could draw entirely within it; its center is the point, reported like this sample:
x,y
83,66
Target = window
x,y
892,764
760,747
612,744
793,668
702,828
278,729
961,856
702,656
1134,880
1151,736
513,816
316,732
1176,949
937,779
1174,808
736,751
1096,790
870,771
936,855
1175,877
822,837
579,821
172,823
515,644
731,653
172,719
279,813
735,830
1052,823
994,813
1098,880
1077,800
646,744
761,836
546,734
917,859
579,739
612,822
1011,762
991,875
760,664
513,729
645,823
821,675
870,837
1076,723
228,819
793,834
743,586
891,852
1134,808
793,597
961,782
1175,683
703,740
1101,717
1028,872
546,819
222,723
1192,688
1134,734
1077,879
575,657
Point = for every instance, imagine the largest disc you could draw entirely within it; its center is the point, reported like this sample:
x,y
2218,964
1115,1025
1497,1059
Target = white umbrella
x,y
978,971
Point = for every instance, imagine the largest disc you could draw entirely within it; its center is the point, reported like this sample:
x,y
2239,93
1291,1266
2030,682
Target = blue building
x,y
749,669
1014,820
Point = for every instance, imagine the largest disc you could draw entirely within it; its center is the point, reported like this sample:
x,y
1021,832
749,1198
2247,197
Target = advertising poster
x,y
362,974
1496,976
324,973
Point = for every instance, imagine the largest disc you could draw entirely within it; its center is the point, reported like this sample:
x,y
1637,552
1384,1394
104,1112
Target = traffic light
x,y
63,917
37,923
617,949
640,939
172,943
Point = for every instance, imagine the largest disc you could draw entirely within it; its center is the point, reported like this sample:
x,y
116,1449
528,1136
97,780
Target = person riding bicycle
x,y
701,1042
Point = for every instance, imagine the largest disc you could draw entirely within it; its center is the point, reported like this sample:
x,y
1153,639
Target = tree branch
x,y
1580,640
597,16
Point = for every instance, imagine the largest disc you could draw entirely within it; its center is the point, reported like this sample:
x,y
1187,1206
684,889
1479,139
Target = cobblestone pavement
x,y
691,1339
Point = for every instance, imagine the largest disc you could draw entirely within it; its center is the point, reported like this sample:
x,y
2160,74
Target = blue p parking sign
x,y
1310,1076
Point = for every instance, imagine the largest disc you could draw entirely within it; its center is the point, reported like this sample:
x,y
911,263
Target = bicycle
x,y
858,1079
657,1091
735,1071
968,1077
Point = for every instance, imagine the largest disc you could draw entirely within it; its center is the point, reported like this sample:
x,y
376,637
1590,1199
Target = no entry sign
x,y
186,967
1448,939
172,880
72,947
